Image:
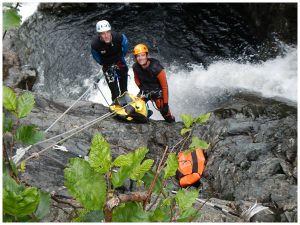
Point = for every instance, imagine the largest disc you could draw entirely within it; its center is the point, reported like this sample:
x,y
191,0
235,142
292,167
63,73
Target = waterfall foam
x,y
195,91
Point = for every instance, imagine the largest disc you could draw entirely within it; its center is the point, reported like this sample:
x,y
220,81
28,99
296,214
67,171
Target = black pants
x,y
119,84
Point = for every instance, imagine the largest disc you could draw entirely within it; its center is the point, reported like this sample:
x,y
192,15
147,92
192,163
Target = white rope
x,y
96,84
21,151
45,149
83,128
68,109
70,131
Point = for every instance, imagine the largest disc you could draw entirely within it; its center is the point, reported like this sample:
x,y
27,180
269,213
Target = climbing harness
x,y
154,94
111,74
150,95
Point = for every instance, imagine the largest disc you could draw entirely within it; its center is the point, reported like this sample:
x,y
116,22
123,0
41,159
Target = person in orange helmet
x,y
150,77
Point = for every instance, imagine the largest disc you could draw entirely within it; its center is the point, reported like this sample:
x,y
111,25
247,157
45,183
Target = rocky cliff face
x,y
253,140
253,153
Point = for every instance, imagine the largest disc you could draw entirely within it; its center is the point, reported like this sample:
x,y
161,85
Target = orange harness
x,y
190,167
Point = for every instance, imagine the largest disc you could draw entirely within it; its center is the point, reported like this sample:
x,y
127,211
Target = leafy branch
x,y
19,203
93,183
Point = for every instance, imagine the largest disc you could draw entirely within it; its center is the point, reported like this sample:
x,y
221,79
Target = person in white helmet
x,y
109,49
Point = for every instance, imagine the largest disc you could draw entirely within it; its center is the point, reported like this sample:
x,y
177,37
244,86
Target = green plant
x,y
188,121
23,204
11,17
19,107
93,183
20,203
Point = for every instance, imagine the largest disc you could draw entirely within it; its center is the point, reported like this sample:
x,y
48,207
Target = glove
x,y
165,109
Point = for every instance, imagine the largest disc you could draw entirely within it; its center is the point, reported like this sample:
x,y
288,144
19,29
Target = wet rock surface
x,y
253,154
56,40
16,75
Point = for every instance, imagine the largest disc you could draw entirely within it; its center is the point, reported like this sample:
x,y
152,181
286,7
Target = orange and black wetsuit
x,y
153,81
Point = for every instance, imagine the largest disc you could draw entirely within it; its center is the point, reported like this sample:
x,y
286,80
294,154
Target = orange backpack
x,y
190,167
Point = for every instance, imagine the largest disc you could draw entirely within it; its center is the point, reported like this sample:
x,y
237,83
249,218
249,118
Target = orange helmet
x,y
140,48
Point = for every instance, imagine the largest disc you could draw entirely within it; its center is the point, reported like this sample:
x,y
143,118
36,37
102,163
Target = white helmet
x,y
103,26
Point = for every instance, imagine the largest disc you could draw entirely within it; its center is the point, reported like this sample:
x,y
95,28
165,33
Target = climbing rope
x,y
96,85
79,129
62,140
21,151
68,109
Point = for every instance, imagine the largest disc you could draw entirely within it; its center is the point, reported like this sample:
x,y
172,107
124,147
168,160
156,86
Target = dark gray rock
x,y
254,153
14,75
247,159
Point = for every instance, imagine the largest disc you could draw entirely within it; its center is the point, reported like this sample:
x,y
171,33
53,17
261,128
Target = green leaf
x,y
100,157
139,171
166,202
160,215
25,103
187,120
123,160
183,131
85,184
189,215
17,200
162,211
185,199
148,178
197,143
7,124
133,170
29,134
89,216
119,178
22,167
9,99
172,166
202,118
11,19
139,155
43,208
27,219
130,212
13,166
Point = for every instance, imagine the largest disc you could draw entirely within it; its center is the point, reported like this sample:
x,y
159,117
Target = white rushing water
x,y
27,9
193,91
